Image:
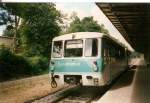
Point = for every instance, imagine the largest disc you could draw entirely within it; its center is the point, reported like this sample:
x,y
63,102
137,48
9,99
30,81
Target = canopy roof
x,y
132,20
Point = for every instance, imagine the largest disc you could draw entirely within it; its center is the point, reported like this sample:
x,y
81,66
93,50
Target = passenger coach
x,y
88,58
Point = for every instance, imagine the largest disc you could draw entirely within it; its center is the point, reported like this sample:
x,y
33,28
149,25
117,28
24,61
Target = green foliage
x,y
16,66
87,24
75,26
39,64
12,65
13,9
40,25
9,31
103,30
10,17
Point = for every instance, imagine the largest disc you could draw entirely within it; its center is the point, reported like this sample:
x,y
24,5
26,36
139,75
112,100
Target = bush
x,y
39,64
16,66
12,65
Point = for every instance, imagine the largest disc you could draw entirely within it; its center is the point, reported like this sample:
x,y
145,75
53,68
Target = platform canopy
x,y
133,22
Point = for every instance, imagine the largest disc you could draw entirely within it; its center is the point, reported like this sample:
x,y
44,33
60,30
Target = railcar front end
x,y
91,59
77,61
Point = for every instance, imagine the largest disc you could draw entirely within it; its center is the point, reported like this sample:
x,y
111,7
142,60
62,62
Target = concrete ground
x,y
132,87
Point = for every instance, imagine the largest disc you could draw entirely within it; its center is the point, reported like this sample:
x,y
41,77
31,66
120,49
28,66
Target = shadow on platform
x,y
125,80
141,87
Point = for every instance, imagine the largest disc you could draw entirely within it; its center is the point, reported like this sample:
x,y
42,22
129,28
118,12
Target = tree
x,y
103,30
9,31
75,25
14,12
39,24
3,17
87,24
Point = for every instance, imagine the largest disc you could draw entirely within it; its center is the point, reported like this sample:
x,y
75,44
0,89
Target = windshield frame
x,y
97,51
83,52
52,51
73,56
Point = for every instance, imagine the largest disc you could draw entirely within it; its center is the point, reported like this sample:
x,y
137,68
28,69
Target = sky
x,y
1,29
84,9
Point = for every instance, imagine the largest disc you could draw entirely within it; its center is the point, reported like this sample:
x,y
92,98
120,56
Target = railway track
x,y
52,98
73,94
76,94
83,95
88,94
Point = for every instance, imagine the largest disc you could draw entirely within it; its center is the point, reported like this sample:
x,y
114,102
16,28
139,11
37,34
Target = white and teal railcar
x,y
89,58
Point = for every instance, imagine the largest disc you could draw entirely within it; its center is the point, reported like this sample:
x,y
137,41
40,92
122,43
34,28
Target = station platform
x,y
131,87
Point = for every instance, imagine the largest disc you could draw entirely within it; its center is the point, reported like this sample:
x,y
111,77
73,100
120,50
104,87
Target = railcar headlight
x,y
52,65
95,66
52,68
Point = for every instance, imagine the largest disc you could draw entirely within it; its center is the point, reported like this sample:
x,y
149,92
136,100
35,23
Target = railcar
x,y
87,58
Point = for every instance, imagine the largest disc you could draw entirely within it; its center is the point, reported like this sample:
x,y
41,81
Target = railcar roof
x,y
79,35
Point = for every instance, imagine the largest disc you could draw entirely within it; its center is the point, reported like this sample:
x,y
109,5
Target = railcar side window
x,y
112,51
57,49
106,52
91,47
73,48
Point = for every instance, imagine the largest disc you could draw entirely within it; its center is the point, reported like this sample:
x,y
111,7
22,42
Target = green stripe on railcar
x,y
77,65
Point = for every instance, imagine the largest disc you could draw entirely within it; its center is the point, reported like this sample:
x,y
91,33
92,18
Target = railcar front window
x,y
73,48
57,49
91,47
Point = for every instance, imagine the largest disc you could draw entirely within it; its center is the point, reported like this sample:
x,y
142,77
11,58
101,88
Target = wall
x,y
6,41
